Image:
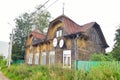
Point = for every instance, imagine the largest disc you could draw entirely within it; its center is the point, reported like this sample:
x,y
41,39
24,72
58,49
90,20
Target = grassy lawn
x,y
26,72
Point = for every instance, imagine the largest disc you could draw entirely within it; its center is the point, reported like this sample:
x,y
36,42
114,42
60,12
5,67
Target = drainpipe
x,y
76,51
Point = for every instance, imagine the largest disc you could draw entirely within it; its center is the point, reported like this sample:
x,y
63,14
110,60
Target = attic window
x,y
59,32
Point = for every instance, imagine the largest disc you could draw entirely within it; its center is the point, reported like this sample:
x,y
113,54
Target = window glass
x,y
30,59
69,61
37,58
64,61
43,62
67,58
52,57
59,33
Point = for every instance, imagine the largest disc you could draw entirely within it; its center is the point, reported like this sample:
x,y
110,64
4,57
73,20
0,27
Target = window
x,y
59,33
43,62
37,58
52,57
30,58
67,58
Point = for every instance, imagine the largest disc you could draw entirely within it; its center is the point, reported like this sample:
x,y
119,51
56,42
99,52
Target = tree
x,y
116,49
1,57
40,19
24,25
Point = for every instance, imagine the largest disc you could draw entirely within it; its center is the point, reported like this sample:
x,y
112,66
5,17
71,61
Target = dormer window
x,y
59,32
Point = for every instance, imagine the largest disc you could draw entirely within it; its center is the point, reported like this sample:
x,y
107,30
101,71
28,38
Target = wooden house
x,y
64,43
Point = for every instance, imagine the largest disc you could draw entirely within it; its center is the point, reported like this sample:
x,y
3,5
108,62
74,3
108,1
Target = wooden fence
x,y
87,65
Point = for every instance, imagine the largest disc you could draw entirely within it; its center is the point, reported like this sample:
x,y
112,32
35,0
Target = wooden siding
x,y
81,45
53,29
29,41
94,37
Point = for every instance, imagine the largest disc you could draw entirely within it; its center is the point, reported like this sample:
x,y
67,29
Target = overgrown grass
x,y
26,72
2,64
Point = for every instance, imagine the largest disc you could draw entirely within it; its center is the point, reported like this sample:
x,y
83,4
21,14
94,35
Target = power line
x,y
51,4
44,5
40,7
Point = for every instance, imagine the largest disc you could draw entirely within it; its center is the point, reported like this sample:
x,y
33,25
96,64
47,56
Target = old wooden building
x,y
64,43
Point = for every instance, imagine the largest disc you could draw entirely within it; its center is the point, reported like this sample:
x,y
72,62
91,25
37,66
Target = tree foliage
x,y
1,57
116,49
24,25
40,19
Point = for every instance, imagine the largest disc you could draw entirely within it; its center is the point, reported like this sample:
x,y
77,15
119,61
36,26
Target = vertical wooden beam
x,y
33,59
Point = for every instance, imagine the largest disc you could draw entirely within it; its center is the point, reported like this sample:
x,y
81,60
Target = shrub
x,y
27,72
2,64
101,57
104,72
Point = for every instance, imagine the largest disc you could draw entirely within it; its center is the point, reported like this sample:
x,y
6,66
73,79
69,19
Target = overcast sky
x,y
105,12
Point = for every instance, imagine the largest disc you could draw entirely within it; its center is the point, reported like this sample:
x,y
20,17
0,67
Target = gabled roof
x,y
37,37
37,34
70,26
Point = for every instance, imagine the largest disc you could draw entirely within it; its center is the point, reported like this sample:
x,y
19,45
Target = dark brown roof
x,y
87,26
71,27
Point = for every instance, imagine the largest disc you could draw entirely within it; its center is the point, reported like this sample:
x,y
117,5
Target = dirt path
x,y
2,77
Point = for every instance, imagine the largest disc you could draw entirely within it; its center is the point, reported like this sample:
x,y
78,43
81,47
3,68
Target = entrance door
x,y
67,59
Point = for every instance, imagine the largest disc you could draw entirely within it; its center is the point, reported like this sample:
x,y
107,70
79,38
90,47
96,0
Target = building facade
x,y
64,43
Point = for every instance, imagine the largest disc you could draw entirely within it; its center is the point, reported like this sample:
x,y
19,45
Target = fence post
x,y
76,65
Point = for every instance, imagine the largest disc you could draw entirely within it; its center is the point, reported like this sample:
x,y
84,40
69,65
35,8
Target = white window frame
x,y
51,53
30,59
67,56
37,58
59,33
43,62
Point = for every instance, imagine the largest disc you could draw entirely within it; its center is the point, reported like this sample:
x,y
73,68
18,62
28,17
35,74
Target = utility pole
x,y
10,49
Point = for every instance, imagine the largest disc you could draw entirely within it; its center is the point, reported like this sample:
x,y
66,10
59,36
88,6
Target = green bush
x,y
101,57
104,72
2,64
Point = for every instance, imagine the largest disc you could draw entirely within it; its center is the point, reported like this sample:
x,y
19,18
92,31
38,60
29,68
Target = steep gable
x,y
35,37
70,27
